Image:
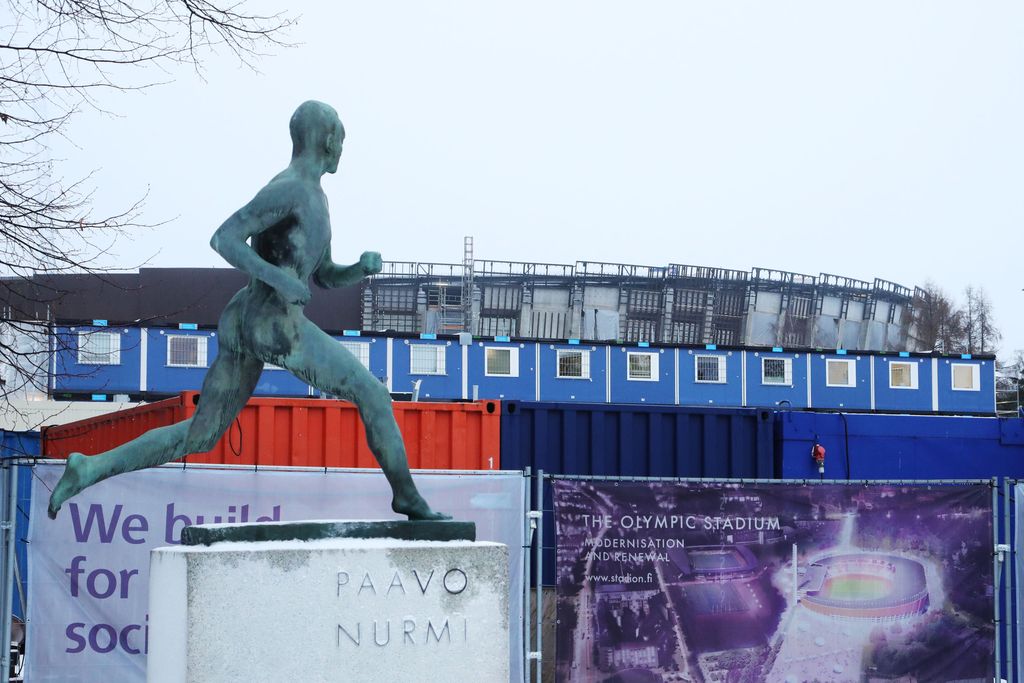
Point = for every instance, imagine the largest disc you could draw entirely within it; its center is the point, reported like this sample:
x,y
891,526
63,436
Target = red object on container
x,y
303,432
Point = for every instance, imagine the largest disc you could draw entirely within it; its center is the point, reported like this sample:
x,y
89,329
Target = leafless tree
x,y
938,323
942,325
58,57
980,332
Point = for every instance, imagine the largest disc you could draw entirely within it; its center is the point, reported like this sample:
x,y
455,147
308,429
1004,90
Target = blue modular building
x,y
99,363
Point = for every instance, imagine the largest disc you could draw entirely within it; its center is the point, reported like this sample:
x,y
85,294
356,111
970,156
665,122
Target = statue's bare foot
x,y
71,483
415,508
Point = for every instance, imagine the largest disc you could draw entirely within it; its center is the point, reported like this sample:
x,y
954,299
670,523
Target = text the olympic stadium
x,y
707,523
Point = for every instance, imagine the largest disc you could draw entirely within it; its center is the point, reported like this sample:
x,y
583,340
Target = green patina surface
x,y
282,240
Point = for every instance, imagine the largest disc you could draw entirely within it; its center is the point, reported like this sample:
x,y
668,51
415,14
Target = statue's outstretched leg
x,y
324,363
228,385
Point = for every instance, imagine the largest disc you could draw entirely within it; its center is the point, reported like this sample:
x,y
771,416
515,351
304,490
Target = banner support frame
x,y
997,562
7,527
1012,621
524,598
754,481
538,515
1009,562
1001,586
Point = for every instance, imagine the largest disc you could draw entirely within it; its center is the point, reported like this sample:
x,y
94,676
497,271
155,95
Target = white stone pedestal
x,y
348,610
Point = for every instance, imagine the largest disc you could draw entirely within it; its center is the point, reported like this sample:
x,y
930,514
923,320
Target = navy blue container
x,y
633,441
21,445
900,446
637,440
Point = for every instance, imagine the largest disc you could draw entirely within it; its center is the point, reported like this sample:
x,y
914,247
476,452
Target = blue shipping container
x,y
900,446
637,440
21,445
633,441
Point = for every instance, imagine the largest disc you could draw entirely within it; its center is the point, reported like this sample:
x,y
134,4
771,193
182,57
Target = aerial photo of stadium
x,y
780,582
715,562
866,586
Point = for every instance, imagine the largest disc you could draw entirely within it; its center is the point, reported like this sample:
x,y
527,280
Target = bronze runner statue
x,y
290,232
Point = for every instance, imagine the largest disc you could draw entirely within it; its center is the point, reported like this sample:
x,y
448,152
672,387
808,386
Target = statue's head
x,y
317,131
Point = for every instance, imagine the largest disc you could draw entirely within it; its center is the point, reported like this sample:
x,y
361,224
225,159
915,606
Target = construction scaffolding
x,y
674,304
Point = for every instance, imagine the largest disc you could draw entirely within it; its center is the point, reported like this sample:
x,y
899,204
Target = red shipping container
x,y
303,433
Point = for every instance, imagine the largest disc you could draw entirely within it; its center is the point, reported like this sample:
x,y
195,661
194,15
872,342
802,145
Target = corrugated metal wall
x,y
304,433
638,441
901,446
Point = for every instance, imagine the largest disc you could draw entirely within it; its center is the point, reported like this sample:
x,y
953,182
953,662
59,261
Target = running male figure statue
x,y
290,230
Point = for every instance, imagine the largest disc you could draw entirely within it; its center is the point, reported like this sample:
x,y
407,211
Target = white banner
x,y
88,577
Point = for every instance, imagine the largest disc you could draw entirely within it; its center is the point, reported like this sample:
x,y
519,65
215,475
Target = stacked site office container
x,y
641,373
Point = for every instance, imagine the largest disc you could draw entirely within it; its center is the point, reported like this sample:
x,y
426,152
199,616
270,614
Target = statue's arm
x,y
330,275
231,241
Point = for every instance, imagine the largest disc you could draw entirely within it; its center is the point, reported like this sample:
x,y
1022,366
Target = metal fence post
x,y
539,653
8,515
1010,580
525,569
997,562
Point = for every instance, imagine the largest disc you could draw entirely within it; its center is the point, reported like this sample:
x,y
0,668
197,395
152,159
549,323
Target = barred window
x,y
396,322
902,375
644,301
840,372
710,369
642,366
686,332
426,359
99,348
497,326
395,298
639,329
777,371
361,350
501,362
966,377
690,300
574,364
186,351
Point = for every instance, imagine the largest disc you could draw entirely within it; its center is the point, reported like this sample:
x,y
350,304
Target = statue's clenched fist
x,y
370,262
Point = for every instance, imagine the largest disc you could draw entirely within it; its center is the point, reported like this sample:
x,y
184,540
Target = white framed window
x,y
777,371
709,369
501,361
966,377
361,350
840,372
186,351
902,375
573,364
642,367
426,359
99,348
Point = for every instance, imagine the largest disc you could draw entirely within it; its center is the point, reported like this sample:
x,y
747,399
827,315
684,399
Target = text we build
x,y
134,528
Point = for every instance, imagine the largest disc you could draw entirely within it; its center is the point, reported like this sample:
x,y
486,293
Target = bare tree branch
x,y
58,57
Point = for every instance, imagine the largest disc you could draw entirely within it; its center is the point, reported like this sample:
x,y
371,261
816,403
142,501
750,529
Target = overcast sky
x,y
868,139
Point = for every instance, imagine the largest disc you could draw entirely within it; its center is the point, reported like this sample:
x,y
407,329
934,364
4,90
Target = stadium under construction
x,y
673,304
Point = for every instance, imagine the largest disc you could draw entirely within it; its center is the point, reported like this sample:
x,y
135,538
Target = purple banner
x,y
786,583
